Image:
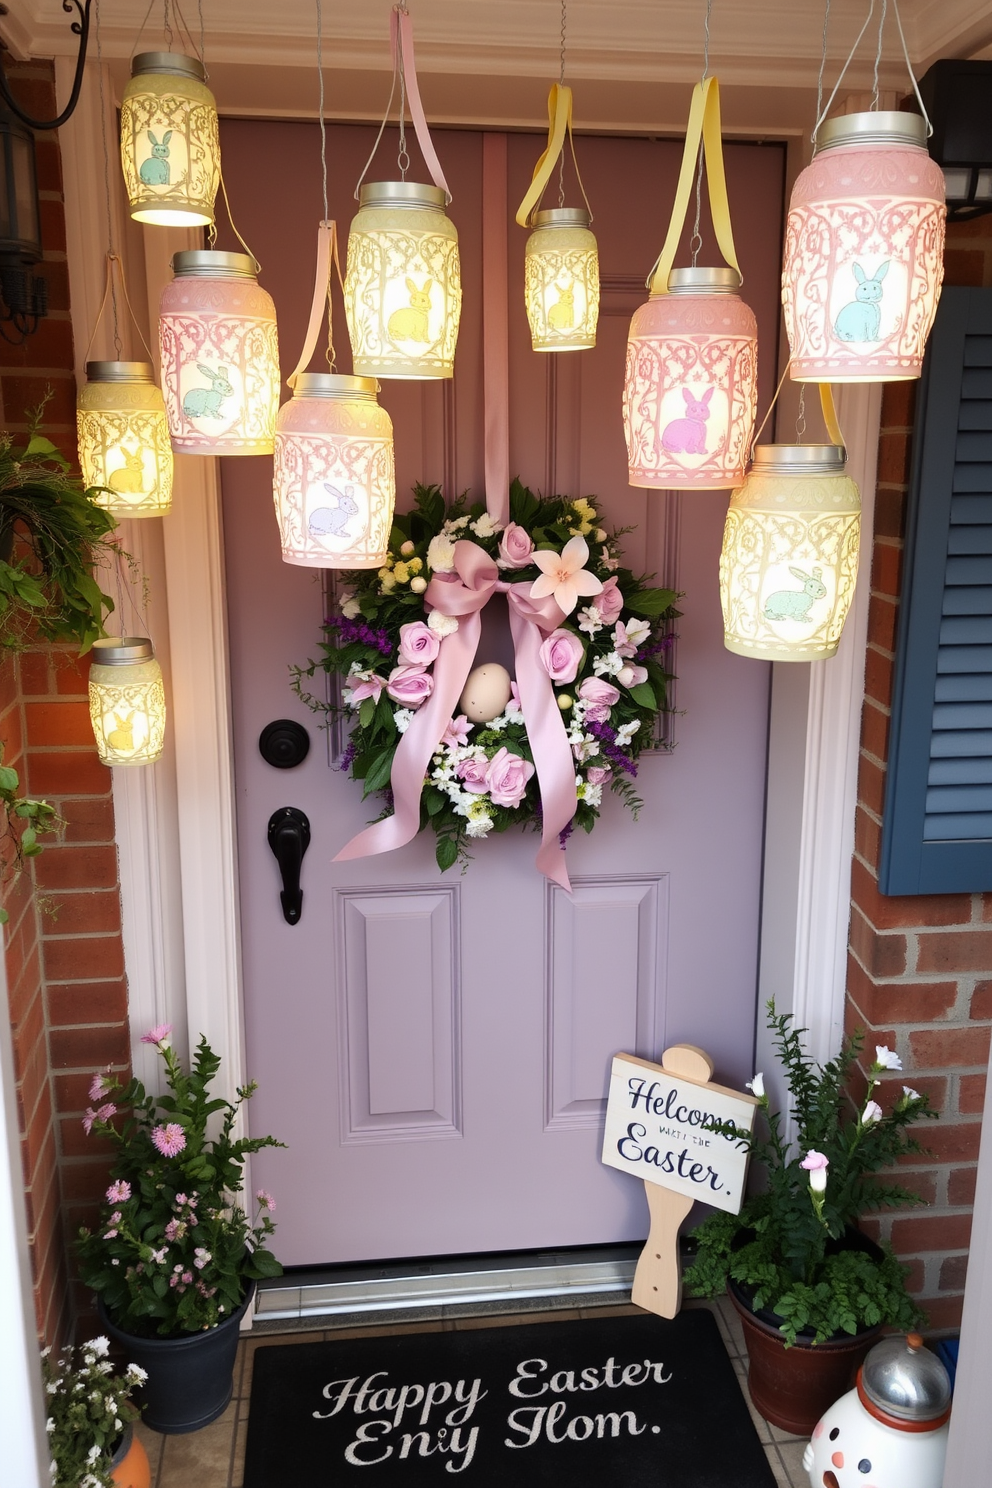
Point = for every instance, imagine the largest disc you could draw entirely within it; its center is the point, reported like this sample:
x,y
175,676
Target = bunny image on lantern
x,y
121,738
861,318
332,521
155,171
795,604
409,323
202,402
129,478
561,315
687,436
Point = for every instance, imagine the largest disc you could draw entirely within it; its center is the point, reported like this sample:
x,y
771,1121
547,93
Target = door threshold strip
x,y
419,1290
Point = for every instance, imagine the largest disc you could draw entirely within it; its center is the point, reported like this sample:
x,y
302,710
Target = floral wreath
x,y
581,622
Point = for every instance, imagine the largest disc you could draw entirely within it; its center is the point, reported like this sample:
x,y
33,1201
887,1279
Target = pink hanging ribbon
x,y
401,42
465,593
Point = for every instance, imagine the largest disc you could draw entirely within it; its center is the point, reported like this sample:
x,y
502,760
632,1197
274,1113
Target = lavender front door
x,y
435,1049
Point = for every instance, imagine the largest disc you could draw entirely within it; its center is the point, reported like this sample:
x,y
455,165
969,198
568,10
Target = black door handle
x,y
289,838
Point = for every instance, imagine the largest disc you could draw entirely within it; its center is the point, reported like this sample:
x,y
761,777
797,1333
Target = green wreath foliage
x,y
362,648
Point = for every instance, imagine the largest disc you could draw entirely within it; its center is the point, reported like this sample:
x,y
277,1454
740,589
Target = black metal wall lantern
x,y
24,297
958,97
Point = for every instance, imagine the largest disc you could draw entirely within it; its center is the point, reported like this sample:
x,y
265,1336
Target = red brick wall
x,y
64,954
920,967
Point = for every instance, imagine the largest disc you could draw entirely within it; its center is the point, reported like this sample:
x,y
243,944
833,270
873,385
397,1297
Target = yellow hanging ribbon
x,y
559,123
830,413
703,128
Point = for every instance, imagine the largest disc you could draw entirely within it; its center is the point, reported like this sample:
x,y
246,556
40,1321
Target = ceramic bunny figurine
x,y
155,170
409,323
687,436
561,316
861,318
205,402
332,521
795,604
129,479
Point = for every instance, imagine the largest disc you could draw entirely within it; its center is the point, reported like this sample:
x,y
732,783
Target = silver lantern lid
x,y
905,1381
122,650
706,281
120,372
799,459
877,127
176,64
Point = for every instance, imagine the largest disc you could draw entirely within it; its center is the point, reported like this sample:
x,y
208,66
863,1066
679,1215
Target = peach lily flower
x,y
565,575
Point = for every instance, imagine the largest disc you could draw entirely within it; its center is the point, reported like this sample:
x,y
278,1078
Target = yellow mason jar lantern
x,y
127,701
561,280
219,355
790,554
170,146
402,285
334,482
123,439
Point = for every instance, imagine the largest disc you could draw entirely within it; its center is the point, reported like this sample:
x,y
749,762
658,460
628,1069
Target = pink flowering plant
x,y
607,662
794,1250
175,1251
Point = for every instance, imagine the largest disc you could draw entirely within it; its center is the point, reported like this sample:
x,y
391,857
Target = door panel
x,y
435,1048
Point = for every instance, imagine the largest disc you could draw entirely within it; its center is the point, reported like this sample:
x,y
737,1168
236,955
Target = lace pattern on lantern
x,y
129,721
130,453
250,352
727,364
561,292
382,265
193,173
361,467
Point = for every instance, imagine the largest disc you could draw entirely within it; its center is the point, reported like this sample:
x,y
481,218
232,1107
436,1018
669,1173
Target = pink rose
x,y
598,774
472,773
600,697
515,547
632,676
410,685
561,655
507,778
419,645
609,601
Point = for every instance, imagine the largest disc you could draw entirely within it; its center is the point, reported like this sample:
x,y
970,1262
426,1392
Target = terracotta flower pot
x,y
190,1378
792,1387
130,1467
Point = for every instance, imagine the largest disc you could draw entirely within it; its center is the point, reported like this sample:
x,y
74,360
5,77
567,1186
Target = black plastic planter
x,y
190,1378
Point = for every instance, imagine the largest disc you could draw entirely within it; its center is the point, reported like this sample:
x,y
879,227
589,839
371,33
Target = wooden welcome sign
x,y
659,1127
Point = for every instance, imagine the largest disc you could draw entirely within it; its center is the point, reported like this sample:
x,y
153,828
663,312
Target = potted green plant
x,y
91,1420
813,1293
175,1258
52,537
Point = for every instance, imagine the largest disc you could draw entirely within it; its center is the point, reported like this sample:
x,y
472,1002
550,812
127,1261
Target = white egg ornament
x,y
891,1430
486,693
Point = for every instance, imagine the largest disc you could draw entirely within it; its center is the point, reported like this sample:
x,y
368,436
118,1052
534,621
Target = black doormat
x,y
635,1402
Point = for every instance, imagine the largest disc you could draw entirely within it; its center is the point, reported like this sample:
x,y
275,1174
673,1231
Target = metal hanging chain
x,y
329,353
203,50
402,155
878,55
696,241
905,52
166,25
823,59
141,28
106,184
801,420
561,81
183,24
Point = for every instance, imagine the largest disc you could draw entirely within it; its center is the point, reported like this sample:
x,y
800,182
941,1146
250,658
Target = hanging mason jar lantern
x,y
402,285
334,483
127,701
864,251
790,554
561,260
692,355
170,145
219,356
123,439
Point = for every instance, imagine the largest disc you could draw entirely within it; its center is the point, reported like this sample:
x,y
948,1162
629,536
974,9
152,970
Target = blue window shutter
x,y
937,824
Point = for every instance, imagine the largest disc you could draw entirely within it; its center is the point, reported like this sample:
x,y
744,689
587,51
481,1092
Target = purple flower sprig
x,y
655,645
607,738
348,757
350,631
566,832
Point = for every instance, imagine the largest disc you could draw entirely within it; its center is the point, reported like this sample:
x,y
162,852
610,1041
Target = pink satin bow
x,y
463,595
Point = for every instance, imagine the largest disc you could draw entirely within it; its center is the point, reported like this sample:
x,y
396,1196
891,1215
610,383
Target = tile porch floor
x,y
214,1457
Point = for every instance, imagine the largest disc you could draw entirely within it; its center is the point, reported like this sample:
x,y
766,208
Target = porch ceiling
x,y
491,62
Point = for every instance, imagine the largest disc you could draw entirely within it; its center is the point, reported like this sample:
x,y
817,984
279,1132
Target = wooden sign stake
x,y
658,1278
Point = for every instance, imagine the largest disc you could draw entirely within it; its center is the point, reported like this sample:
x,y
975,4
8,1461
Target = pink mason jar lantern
x,y
691,384
220,356
864,248
334,484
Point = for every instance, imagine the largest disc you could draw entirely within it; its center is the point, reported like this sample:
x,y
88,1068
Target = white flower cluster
x,y
473,807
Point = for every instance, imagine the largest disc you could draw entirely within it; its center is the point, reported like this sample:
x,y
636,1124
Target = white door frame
x,y
176,829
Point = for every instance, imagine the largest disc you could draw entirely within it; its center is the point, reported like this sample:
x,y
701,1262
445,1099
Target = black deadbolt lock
x,y
284,743
289,838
